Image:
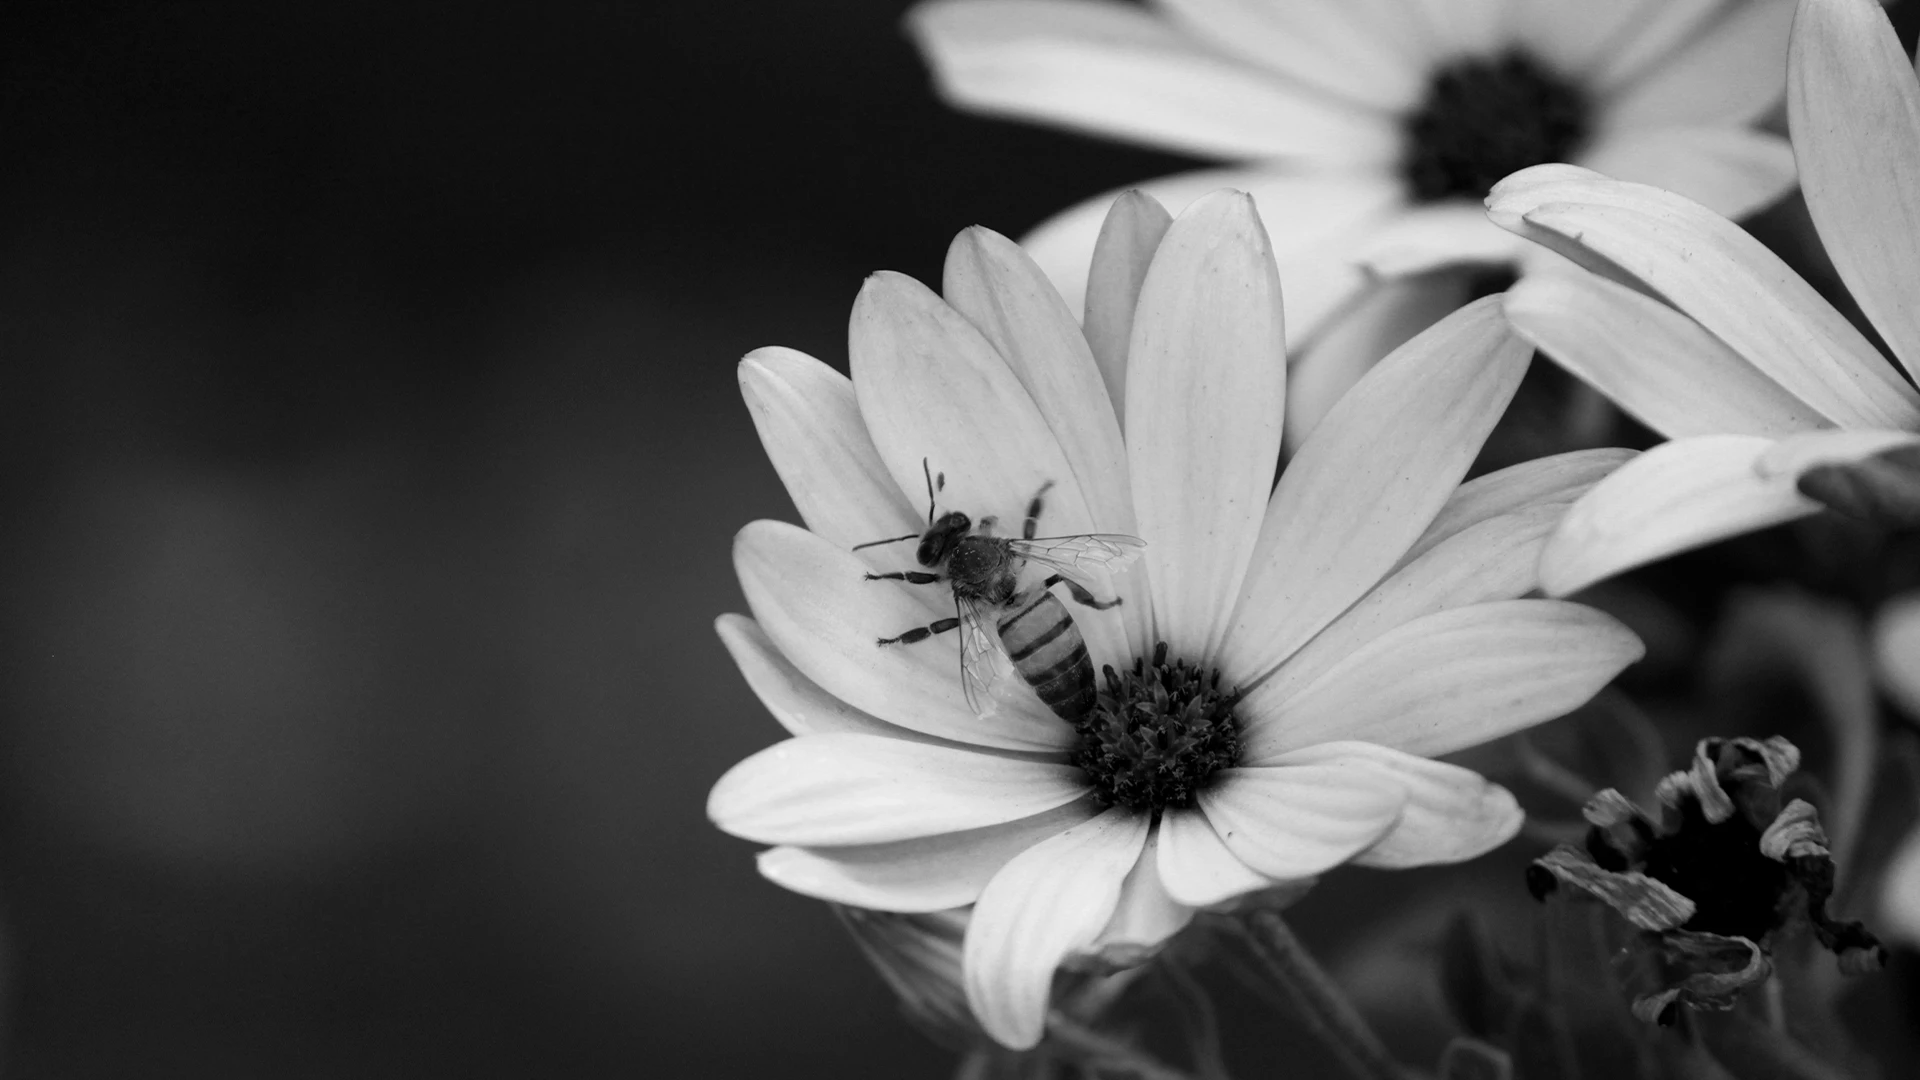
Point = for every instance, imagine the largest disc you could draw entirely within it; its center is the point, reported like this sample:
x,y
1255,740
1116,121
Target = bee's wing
x,y
984,664
1081,557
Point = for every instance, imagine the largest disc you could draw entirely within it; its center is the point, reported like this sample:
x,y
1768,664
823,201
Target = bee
x,y
999,620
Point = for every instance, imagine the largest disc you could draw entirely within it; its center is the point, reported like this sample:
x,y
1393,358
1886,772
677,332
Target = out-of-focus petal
x,y
1312,222
862,789
1344,48
811,427
1896,651
1854,108
1675,497
1900,892
1726,280
1195,864
1452,680
1732,74
1434,236
1129,235
1386,317
1116,70
1207,368
1050,901
933,389
1549,481
1464,27
929,873
1731,171
1648,32
1494,559
1452,814
1301,820
1657,364
1586,39
997,286
793,699
1370,479
810,598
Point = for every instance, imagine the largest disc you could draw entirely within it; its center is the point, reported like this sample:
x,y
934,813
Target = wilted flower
x,y
1754,370
1368,130
1724,868
1286,658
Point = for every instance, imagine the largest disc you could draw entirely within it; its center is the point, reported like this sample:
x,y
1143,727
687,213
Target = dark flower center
x,y
1735,889
1486,117
1157,734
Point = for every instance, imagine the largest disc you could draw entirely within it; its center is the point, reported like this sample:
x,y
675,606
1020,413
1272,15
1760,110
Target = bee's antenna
x,y
926,469
889,540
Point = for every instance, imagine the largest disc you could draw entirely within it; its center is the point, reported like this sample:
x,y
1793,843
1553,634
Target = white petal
x,y
1465,27
1129,235
1196,865
1113,69
1434,236
1675,497
1732,74
1494,559
1050,901
1726,280
810,598
1896,651
1899,915
934,390
793,699
1578,36
1147,914
930,873
1452,680
1369,480
1649,31
998,287
1312,221
1855,112
1792,456
1549,481
1339,47
1207,368
811,427
1657,364
1733,172
863,789
1303,819
1452,814
1386,317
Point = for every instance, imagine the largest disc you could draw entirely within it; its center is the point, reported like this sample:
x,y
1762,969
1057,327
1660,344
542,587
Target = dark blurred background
x,y
371,457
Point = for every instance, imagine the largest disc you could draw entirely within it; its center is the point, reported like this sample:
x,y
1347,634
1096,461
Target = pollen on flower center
x,y
1486,117
1157,734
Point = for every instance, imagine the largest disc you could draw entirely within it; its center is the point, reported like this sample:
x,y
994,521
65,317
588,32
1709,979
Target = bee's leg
x,y
1032,526
921,633
911,577
1080,593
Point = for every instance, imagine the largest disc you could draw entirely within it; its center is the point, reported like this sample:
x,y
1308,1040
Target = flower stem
x,y
1107,1054
1316,999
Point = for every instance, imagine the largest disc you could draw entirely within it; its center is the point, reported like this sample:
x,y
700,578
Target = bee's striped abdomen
x,y
1048,651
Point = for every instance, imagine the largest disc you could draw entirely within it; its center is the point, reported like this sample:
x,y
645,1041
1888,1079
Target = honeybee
x,y
999,620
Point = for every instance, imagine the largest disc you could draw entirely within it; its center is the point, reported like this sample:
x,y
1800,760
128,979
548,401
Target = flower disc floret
x,y
1157,734
1486,117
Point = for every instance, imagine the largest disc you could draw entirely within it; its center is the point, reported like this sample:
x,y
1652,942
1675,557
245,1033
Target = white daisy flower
x,y
1286,660
1777,405
1369,130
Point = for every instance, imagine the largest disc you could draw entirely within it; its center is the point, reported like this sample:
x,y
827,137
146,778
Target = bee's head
x,y
940,537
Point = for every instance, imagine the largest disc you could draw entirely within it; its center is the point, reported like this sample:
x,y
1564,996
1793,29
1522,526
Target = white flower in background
x,y
1359,616
1777,405
1369,130
1896,647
